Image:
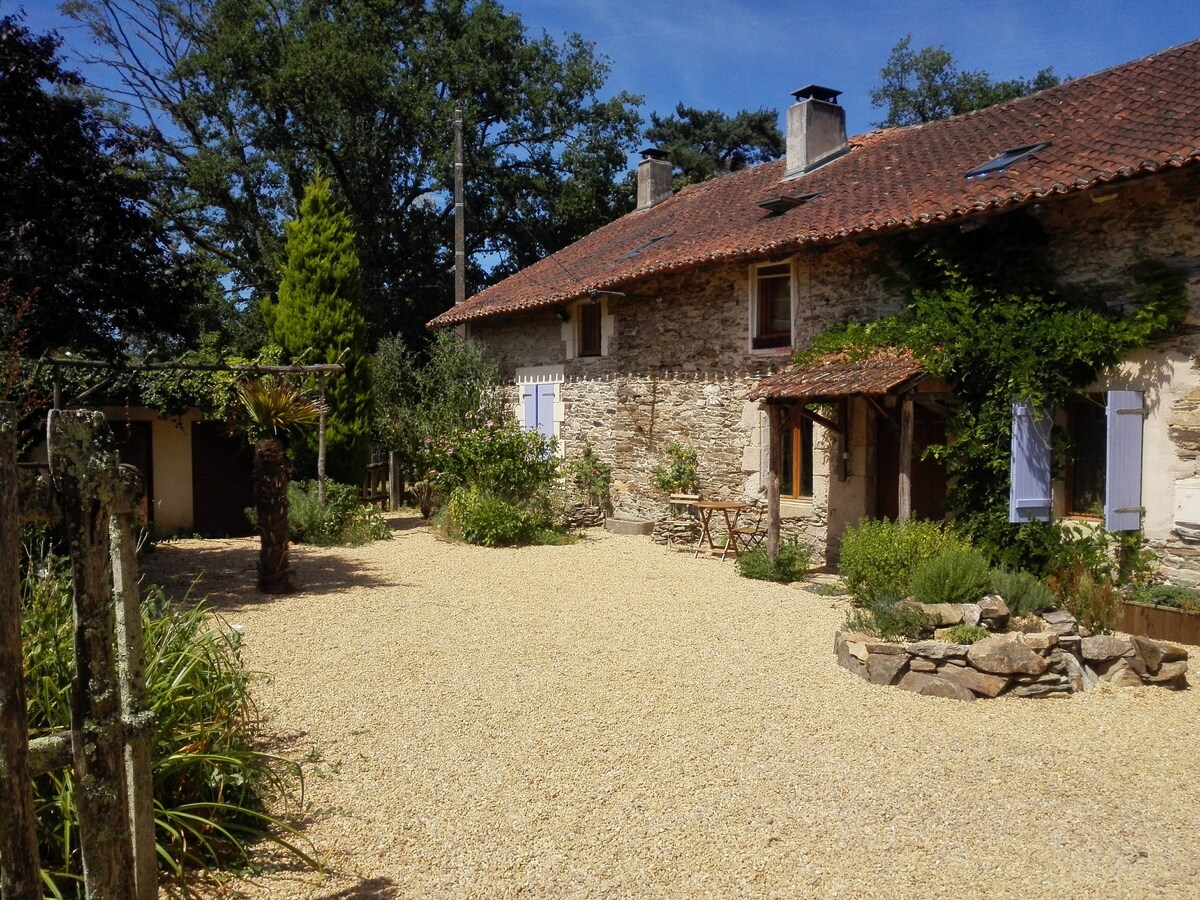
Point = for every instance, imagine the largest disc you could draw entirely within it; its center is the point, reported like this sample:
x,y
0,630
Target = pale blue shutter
x,y
529,406
1029,471
1123,475
545,410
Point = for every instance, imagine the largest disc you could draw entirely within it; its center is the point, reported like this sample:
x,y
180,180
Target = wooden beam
x,y
904,489
774,428
19,868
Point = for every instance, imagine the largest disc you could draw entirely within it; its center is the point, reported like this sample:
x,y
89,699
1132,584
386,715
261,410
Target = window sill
x,y
795,507
771,351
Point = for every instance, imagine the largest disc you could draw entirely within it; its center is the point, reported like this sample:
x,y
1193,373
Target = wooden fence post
x,y
84,471
131,664
19,866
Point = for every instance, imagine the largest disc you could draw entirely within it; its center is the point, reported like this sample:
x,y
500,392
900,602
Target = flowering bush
x,y
495,455
591,476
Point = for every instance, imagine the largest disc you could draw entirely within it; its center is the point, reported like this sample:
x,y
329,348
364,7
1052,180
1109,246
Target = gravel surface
x,y
609,719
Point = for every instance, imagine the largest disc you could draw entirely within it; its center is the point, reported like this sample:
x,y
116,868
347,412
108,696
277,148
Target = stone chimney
x,y
816,129
653,178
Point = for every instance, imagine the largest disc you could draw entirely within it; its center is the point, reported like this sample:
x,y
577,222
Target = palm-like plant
x,y
273,407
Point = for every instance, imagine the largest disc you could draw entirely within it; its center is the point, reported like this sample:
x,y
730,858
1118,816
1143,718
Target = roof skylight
x,y
1006,158
636,250
783,202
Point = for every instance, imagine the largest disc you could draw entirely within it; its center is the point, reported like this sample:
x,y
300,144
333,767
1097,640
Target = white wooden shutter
x,y
1123,473
1029,470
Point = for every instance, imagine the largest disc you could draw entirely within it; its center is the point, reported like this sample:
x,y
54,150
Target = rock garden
x,y
963,630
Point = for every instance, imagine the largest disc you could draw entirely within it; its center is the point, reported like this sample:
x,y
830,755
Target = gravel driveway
x,y
612,720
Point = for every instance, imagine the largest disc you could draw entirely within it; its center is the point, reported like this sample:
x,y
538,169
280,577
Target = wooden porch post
x,y
321,442
774,420
19,878
904,491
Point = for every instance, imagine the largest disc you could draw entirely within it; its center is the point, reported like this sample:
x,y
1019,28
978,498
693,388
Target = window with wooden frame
x,y
589,329
796,461
1085,469
771,306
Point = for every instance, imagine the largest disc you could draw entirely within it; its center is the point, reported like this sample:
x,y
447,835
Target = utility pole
x,y
460,228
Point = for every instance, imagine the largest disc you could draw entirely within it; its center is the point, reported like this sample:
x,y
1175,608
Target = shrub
x,y
1168,595
681,471
482,518
210,782
1094,602
967,634
878,556
1023,592
790,565
498,457
890,620
591,476
341,521
956,576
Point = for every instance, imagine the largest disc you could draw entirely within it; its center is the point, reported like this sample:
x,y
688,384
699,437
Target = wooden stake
x,y
321,442
19,867
774,423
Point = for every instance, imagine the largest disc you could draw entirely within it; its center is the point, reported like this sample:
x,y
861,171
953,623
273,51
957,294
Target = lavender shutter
x,y
1029,471
529,405
545,410
1123,475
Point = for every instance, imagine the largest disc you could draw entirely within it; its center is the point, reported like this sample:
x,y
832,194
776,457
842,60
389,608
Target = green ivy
x,y
1000,333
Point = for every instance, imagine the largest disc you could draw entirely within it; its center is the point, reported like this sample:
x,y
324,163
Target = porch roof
x,y
838,375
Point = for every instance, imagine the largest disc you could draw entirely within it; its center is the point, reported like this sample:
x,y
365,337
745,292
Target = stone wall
x,y
678,366
1053,660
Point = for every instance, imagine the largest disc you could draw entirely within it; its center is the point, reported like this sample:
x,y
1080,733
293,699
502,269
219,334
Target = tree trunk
x,y
271,501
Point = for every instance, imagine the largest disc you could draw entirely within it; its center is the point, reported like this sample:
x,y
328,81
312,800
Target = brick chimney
x,y
816,129
653,178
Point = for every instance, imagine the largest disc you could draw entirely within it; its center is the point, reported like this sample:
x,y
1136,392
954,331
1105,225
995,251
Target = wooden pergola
x,y
829,383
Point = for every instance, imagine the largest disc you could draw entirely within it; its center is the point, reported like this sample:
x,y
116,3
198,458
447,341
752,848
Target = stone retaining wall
x,y
1053,661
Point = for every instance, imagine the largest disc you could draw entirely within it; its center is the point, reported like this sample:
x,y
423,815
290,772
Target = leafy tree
x,y
316,318
706,143
76,240
924,85
248,97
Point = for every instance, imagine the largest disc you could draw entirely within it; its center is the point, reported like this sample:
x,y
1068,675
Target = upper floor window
x,y
589,329
771,307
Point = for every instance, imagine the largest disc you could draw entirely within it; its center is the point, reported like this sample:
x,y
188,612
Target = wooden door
x,y
135,448
222,481
928,476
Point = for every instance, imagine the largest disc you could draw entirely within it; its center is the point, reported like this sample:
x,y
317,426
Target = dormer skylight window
x,y
636,250
784,202
1006,158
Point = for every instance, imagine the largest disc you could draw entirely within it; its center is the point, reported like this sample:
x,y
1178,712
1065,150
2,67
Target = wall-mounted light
x,y
562,314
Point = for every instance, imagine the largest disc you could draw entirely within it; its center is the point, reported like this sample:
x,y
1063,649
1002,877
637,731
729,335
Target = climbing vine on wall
x,y
991,321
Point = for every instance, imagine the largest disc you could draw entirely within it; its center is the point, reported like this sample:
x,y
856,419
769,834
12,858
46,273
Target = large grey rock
x,y
972,613
944,613
1150,651
1040,640
1041,690
1081,679
1103,647
1122,674
1060,622
882,668
992,608
1006,654
917,664
979,682
938,650
933,686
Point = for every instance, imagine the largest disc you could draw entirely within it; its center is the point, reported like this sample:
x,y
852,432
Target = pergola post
x,y
774,423
904,489
321,442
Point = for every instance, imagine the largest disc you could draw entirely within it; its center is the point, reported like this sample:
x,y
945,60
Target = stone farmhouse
x,y
679,321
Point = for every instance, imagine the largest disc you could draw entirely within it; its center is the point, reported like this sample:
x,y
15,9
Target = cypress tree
x,y
318,315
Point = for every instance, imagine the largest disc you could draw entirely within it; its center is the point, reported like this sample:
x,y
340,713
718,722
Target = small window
x,y
772,325
796,461
1084,473
589,329
1006,158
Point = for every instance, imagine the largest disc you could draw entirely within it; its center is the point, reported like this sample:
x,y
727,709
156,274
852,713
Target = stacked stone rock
x,y
584,515
1050,659
680,530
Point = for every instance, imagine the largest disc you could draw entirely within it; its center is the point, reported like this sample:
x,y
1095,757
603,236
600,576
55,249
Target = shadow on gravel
x,y
406,523
224,573
366,889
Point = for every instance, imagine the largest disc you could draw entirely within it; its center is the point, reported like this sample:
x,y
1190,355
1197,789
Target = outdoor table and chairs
x,y
731,512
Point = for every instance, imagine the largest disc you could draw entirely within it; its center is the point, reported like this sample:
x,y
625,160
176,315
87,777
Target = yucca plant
x,y
210,782
272,408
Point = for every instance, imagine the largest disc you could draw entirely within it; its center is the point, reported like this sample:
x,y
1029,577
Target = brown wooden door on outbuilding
x,y
928,476
222,481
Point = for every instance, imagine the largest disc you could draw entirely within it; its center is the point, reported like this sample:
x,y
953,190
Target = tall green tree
x,y
923,85
246,98
703,143
317,319
94,270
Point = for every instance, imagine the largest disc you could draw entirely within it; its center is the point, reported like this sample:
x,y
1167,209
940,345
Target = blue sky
x,y
746,54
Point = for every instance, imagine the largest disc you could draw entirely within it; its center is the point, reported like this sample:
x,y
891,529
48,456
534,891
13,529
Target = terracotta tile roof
x,y
1134,119
840,375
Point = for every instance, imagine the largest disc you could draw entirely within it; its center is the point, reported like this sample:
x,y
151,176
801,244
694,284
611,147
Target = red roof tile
x,y
840,375
1130,120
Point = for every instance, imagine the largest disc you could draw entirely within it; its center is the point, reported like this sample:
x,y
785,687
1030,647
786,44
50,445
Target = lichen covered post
x,y
85,473
19,867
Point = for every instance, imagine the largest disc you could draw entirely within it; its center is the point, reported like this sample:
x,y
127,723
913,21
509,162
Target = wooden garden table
x,y
731,511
